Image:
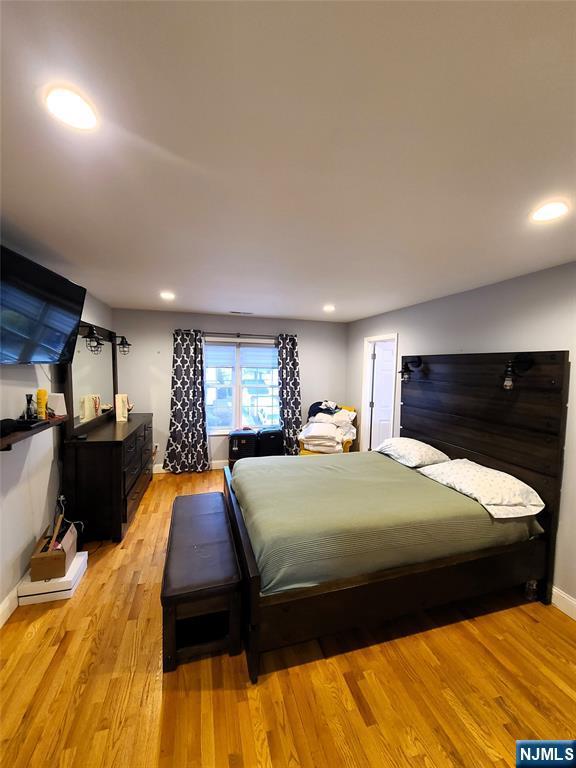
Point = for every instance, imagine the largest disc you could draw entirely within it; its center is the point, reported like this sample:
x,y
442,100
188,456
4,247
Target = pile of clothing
x,y
329,426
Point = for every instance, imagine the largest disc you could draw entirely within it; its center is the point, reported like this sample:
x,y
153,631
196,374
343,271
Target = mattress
x,y
312,519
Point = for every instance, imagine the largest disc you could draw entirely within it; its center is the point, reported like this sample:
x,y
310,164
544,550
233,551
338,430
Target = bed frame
x,y
458,404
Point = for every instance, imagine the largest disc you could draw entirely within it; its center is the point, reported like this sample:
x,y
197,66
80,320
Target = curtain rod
x,y
241,335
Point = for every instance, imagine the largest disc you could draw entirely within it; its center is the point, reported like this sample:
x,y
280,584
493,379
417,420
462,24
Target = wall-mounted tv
x,y
39,313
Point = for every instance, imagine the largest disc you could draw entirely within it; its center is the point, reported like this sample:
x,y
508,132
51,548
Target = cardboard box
x,y
54,563
30,592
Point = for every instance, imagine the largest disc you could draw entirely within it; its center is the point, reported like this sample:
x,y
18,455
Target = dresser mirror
x,y
90,381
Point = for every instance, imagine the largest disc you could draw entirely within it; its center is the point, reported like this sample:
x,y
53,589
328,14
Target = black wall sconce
x,y
93,341
123,344
408,366
517,366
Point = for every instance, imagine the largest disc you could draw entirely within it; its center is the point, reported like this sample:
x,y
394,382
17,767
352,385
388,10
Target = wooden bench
x,y
201,584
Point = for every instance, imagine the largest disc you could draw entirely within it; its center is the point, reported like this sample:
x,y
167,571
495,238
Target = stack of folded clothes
x,y
328,429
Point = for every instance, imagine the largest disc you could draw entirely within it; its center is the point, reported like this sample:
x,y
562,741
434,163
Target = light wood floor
x,y
82,681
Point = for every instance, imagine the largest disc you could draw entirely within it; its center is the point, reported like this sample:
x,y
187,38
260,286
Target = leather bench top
x,y
200,557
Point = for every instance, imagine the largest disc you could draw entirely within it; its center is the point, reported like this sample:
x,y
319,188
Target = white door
x,y
379,390
383,391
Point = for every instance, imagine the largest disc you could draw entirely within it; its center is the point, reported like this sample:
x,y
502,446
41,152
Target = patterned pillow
x,y
411,453
500,493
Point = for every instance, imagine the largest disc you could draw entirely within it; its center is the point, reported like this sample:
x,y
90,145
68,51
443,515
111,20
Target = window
x,y
241,386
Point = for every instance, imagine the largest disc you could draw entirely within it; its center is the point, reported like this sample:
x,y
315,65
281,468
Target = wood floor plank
x,y
81,681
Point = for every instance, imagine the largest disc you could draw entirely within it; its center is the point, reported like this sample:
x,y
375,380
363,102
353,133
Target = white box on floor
x,y
30,592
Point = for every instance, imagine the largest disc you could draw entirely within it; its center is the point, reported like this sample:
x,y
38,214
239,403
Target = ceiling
x,y
274,157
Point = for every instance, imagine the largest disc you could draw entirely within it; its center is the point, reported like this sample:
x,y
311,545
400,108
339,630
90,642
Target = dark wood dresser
x,y
105,476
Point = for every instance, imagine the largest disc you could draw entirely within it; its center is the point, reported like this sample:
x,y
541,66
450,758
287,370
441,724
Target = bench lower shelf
x,y
187,638
202,634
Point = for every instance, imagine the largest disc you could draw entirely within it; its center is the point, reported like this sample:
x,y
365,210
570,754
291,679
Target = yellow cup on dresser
x,y
41,403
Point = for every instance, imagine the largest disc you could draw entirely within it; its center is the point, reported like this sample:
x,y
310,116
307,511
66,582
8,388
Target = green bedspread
x,y
312,519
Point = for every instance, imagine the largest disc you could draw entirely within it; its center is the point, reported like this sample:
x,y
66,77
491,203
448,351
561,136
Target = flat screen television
x,y
40,313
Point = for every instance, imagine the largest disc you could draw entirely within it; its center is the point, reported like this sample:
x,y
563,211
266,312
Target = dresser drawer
x,y
147,452
129,450
134,498
132,472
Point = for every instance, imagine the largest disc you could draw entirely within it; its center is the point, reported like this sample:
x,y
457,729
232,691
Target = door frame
x,y
367,382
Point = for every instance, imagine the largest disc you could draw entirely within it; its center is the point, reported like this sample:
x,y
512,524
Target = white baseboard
x,y
8,606
565,602
158,469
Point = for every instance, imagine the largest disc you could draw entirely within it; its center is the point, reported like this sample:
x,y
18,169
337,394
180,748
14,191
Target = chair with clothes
x,y
330,429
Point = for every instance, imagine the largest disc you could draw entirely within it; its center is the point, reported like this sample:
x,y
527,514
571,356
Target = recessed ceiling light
x,y
328,307
167,295
70,108
550,211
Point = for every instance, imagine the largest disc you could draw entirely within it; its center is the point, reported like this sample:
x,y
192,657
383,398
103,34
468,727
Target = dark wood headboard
x,y
458,404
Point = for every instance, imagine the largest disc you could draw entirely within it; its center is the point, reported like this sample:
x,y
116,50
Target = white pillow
x,y
343,417
322,418
500,493
340,418
411,453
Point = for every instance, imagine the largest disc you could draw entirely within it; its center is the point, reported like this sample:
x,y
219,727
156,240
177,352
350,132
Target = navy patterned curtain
x,y
289,390
187,447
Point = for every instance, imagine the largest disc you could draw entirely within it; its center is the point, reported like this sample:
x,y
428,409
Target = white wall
x,y
146,372
29,473
97,313
532,313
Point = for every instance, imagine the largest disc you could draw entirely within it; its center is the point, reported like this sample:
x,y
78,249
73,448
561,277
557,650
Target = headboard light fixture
x,y
408,366
93,341
517,366
123,345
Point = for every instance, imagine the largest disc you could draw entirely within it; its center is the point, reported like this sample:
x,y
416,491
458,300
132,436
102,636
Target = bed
x,y
308,527
385,540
